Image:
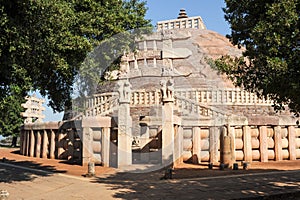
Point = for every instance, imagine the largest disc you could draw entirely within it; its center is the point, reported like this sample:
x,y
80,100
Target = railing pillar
x,y
52,144
263,144
196,145
38,144
247,144
292,143
32,142
278,143
45,144
214,135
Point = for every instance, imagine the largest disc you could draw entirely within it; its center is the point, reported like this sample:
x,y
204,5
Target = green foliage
x,y
43,43
269,30
10,106
46,41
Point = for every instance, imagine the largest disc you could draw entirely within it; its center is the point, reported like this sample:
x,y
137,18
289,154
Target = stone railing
x,y
50,140
261,143
101,104
197,101
143,97
190,107
226,96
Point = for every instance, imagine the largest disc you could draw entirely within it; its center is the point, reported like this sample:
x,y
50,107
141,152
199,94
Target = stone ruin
x,y
168,106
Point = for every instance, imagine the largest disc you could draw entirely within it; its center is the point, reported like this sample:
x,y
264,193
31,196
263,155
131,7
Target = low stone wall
x,y
54,140
248,143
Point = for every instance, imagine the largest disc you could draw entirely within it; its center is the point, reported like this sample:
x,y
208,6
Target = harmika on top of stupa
x,y
182,22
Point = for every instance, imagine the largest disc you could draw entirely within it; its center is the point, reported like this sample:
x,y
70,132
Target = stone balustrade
x,y
101,104
50,140
195,100
226,96
251,143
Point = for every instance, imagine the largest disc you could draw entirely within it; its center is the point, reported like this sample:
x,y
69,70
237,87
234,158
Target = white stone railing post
x,y
263,144
124,125
196,145
292,143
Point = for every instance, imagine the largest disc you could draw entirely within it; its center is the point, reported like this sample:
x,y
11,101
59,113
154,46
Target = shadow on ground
x,y
12,170
206,184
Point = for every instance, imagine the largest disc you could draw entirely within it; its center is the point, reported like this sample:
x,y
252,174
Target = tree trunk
x,y
14,141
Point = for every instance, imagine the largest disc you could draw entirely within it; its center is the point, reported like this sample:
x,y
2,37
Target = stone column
x,y
196,145
52,145
105,146
31,146
124,124
292,143
167,131
71,135
145,156
87,142
177,146
45,144
124,135
278,143
263,144
60,149
227,146
38,144
231,134
27,135
247,144
213,144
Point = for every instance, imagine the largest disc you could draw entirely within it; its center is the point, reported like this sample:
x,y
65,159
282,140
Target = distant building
x,y
34,109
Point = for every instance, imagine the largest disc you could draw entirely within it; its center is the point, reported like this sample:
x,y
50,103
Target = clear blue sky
x,y
210,11
159,10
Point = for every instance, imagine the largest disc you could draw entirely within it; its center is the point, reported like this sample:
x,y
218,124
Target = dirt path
x,y
183,171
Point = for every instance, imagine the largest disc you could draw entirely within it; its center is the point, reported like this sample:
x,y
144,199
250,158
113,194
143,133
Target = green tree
x,y
269,30
43,43
10,120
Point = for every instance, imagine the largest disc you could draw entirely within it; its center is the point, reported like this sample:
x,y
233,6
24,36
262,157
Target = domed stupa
x,y
167,105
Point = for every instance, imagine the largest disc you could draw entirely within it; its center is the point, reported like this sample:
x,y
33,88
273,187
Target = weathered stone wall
x,y
47,140
261,143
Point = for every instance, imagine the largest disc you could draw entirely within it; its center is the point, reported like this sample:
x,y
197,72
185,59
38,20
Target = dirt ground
x,y
183,171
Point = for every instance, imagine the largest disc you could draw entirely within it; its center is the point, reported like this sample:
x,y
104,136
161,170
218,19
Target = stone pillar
x,y
247,144
71,136
105,146
180,143
124,135
292,143
278,143
45,144
31,145
38,144
213,144
263,144
231,134
196,145
227,146
87,144
27,140
124,124
52,145
177,146
60,149
167,132
145,156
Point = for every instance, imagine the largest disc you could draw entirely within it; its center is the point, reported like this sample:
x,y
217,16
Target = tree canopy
x,y
269,31
43,43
